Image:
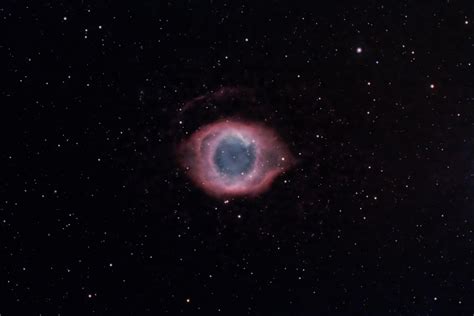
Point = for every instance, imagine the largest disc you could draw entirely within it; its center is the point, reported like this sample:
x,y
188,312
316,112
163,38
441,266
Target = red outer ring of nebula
x,y
196,153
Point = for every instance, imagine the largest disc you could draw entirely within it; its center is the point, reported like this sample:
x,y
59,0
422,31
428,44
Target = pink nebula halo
x,y
197,156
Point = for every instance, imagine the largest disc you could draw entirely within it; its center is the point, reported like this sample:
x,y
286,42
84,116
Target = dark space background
x,y
375,99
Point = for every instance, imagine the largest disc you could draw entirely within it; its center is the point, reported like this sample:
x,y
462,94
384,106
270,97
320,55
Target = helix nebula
x,y
234,158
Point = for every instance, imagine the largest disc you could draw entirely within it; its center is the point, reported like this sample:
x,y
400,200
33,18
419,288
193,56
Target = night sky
x,y
374,101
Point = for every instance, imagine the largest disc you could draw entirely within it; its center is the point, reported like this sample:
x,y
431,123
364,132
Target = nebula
x,y
234,158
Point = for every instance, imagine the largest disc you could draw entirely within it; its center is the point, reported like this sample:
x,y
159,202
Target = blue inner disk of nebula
x,y
234,157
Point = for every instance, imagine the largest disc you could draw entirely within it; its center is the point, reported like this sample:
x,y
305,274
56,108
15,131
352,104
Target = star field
x,y
369,211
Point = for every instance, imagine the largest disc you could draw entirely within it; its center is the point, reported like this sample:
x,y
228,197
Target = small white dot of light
x,y
283,158
359,50
65,18
188,300
466,22
432,86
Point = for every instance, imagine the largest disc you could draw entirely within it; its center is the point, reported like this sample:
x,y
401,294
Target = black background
x,y
376,218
